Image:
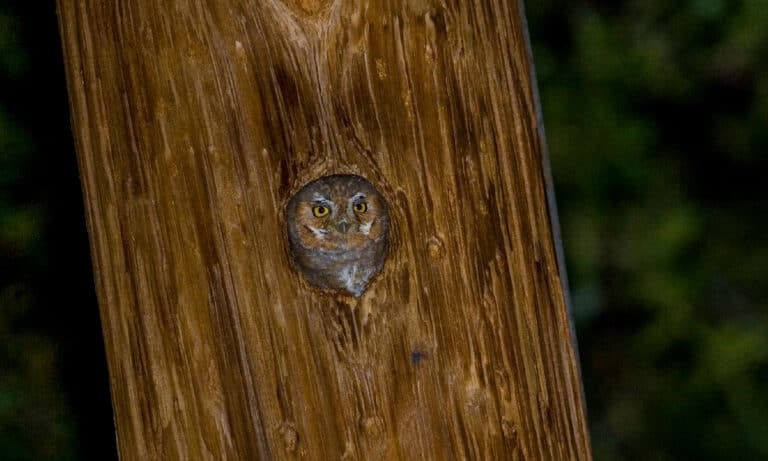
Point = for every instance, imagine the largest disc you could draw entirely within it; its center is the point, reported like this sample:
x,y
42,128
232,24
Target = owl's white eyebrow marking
x,y
357,197
317,198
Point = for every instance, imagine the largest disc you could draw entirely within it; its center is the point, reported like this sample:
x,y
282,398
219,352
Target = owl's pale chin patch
x,y
319,233
347,277
366,228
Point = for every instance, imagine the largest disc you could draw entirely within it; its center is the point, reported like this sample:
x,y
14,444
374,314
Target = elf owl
x,y
337,229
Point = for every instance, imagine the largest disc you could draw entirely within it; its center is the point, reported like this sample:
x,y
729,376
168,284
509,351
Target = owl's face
x,y
337,228
340,212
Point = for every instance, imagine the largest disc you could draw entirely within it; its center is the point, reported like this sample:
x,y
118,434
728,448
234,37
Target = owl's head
x,y
337,213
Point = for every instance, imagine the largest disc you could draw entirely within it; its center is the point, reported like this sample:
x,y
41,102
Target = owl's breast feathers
x,y
344,270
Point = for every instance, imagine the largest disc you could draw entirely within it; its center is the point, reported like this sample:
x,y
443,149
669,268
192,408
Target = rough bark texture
x,y
195,122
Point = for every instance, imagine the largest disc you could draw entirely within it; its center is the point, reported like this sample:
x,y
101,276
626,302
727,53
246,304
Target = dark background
x,y
657,117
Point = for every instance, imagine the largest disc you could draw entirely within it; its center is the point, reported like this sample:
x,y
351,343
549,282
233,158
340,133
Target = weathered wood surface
x,y
196,120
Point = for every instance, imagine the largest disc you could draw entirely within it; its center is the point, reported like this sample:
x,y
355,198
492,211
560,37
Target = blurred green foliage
x,y
657,118
34,419
53,383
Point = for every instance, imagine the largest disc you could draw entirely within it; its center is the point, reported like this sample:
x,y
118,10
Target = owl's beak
x,y
342,227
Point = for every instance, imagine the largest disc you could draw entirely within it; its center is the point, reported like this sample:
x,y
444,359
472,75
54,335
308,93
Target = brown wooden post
x,y
195,122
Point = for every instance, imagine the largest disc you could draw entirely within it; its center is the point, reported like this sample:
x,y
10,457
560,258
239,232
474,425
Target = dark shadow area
x,y
54,389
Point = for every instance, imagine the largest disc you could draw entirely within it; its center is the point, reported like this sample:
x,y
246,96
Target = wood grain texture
x,y
195,122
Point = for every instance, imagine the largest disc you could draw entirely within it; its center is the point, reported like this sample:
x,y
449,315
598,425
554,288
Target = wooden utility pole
x,y
197,120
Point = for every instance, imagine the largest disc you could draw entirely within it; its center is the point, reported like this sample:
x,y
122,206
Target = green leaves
x,y
35,421
657,116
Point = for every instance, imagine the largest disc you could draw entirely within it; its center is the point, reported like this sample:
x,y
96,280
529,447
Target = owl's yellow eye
x,y
320,211
361,207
